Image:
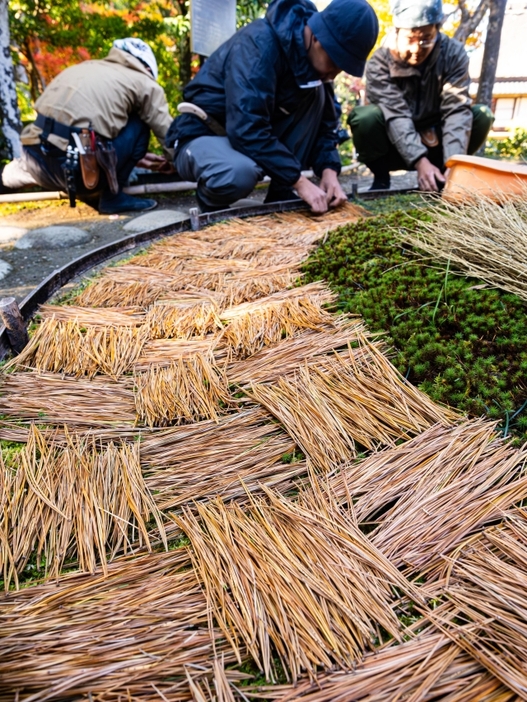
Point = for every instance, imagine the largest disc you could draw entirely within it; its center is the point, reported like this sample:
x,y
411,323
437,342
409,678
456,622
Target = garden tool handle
x,y
191,109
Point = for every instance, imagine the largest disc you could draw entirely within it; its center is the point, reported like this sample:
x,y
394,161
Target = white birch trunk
x,y
9,113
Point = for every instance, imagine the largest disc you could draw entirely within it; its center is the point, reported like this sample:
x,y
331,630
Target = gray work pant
x,y
225,175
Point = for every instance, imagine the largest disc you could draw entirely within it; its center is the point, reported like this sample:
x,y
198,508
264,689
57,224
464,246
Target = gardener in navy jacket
x,y
270,87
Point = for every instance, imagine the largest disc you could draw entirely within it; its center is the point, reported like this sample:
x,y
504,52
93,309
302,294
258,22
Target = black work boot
x,y
116,204
381,174
280,193
203,207
381,182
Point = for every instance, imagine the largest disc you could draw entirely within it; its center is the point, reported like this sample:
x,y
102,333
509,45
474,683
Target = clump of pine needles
x,y
255,325
482,238
483,606
298,575
354,397
188,389
75,502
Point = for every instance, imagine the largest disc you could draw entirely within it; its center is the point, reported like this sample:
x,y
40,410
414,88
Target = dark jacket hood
x,y
288,19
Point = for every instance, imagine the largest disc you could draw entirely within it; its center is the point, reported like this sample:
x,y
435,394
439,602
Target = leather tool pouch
x,y
429,137
88,161
107,160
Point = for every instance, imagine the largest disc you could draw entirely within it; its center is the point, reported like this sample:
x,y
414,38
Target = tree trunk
x,y
185,58
37,84
9,113
470,20
491,53
185,55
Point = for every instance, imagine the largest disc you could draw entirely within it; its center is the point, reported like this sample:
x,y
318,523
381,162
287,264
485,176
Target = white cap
x,y
139,49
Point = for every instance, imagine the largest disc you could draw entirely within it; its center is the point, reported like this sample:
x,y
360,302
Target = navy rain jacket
x,y
260,73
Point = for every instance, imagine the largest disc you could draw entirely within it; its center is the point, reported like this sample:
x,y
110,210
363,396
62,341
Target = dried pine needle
x,y
238,454
347,399
297,575
76,502
79,349
191,388
254,325
55,399
128,634
484,601
485,239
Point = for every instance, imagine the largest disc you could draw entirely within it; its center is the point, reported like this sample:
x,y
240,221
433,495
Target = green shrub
x,y
464,345
512,148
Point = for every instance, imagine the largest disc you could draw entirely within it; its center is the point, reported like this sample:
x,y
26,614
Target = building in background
x,y
510,88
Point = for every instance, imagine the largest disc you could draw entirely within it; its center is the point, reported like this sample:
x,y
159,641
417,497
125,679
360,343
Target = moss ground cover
x,y
459,341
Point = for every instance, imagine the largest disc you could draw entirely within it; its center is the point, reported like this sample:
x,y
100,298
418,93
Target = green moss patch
x,y
459,341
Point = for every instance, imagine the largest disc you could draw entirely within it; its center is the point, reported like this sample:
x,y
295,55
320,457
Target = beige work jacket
x,y
102,93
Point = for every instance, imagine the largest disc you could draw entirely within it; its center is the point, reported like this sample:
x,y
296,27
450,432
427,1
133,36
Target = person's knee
x,y
482,120
132,141
141,144
482,116
368,128
365,119
232,181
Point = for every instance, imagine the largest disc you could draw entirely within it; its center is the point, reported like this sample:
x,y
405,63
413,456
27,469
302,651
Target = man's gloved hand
x,y
156,163
428,176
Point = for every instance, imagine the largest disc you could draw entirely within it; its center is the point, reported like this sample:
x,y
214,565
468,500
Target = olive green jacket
x,y
104,93
413,100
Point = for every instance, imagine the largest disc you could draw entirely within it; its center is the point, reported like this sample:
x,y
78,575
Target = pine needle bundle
x,y
254,325
285,358
7,481
484,610
237,455
484,239
206,273
189,388
262,250
429,667
164,352
182,319
393,474
255,284
55,399
195,265
105,292
76,502
233,288
78,349
107,317
330,407
477,477
297,227
126,635
296,576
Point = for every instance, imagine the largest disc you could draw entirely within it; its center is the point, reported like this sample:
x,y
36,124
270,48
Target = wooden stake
x,y
14,323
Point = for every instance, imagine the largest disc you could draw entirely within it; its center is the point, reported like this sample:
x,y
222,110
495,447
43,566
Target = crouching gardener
x,y
419,111
110,105
268,89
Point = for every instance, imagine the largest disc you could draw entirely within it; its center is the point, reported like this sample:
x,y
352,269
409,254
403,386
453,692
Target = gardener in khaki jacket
x,y
419,112
118,101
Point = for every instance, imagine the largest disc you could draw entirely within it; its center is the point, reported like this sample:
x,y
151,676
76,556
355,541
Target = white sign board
x,y
211,23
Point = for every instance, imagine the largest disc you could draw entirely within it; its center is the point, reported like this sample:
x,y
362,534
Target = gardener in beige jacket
x,y
119,99
419,112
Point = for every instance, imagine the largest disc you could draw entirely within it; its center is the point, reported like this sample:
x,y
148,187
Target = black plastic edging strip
x,y
78,266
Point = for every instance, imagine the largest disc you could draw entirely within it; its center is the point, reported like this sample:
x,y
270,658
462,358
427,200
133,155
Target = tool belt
x,y
87,150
